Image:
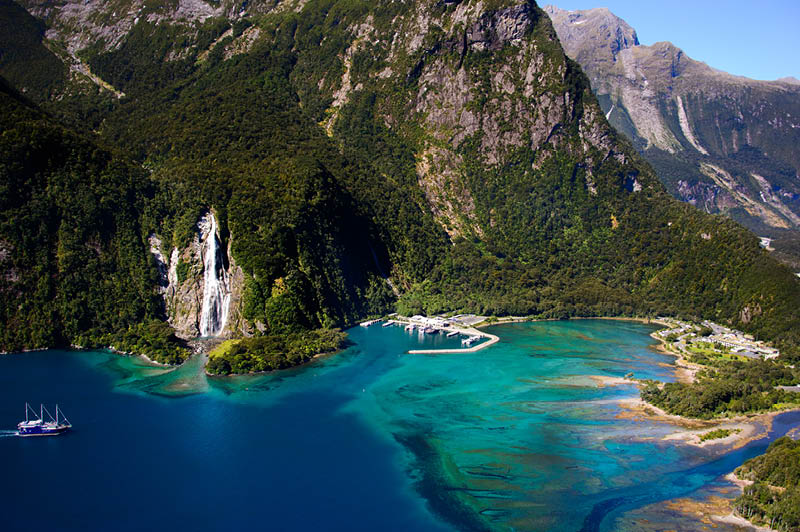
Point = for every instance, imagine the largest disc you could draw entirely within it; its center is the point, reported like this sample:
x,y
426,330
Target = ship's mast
x,y
26,412
66,421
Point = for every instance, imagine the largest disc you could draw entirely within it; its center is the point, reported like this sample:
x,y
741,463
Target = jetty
x,y
451,327
369,322
470,333
468,341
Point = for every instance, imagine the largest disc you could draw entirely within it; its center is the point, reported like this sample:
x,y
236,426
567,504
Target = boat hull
x,y
42,431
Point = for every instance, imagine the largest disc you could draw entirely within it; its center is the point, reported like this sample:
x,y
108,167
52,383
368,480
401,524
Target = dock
x,y
492,339
468,341
448,326
369,322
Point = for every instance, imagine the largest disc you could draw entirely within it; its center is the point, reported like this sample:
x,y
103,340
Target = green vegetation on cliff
x,y
721,142
73,262
774,497
352,166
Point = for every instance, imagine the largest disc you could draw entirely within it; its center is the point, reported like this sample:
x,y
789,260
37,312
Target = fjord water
x,y
517,435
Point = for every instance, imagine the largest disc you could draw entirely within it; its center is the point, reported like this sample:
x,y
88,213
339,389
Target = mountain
x,y
724,143
283,169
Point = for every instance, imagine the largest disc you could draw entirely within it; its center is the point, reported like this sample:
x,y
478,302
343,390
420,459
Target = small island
x,y
270,352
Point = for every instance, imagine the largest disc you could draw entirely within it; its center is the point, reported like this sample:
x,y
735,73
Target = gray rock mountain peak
x,y
724,143
592,37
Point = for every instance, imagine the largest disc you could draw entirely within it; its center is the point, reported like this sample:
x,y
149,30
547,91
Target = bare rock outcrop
x,y
184,281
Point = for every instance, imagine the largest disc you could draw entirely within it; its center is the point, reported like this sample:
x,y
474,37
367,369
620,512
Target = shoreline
x,y
524,319
493,321
269,371
718,509
685,371
745,427
750,427
712,511
492,339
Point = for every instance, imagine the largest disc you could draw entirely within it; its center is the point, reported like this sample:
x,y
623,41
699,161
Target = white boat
x,y
40,427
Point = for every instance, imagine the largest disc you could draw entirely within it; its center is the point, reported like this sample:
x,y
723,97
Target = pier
x,y
450,327
471,333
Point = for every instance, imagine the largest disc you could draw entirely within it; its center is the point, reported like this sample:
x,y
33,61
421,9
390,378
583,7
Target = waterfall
x,y
216,288
172,273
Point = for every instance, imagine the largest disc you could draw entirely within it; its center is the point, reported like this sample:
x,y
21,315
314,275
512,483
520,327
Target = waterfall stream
x,y
216,287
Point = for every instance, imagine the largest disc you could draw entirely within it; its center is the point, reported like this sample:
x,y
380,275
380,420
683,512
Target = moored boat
x,y
40,427
470,340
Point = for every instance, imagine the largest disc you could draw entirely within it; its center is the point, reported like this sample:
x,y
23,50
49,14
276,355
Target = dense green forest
x,y
270,352
774,497
731,388
321,196
75,267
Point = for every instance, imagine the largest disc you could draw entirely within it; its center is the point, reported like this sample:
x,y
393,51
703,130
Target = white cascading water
x,y
216,289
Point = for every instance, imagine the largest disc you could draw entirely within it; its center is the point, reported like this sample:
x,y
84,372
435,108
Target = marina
x,y
462,324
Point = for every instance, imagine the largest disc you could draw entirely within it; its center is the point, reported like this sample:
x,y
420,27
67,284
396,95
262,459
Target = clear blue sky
x,y
757,39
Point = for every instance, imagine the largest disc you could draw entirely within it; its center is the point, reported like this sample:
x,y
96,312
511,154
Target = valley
x,y
228,188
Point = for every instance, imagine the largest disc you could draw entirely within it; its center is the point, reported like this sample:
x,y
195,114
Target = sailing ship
x,y
40,427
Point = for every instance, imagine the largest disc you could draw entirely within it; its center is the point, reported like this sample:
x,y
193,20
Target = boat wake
x,y
7,433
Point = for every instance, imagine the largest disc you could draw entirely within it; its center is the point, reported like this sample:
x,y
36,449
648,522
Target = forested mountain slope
x,y
446,156
72,256
724,143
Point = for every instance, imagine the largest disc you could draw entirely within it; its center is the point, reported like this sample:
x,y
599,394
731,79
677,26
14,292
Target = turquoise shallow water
x,y
516,436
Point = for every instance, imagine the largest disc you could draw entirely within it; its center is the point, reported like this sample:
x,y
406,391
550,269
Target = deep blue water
x,y
513,436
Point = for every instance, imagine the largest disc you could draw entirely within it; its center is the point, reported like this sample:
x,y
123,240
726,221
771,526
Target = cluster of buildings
x,y
737,342
435,321
677,327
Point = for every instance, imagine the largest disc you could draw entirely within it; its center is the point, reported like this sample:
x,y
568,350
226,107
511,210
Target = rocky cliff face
x,y
723,143
201,297
594,37
481,87
444,153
